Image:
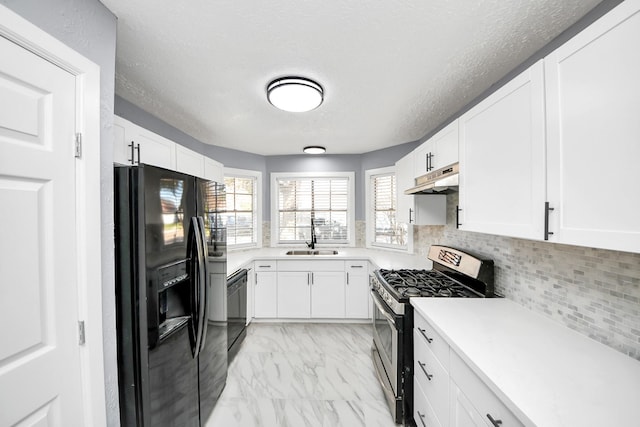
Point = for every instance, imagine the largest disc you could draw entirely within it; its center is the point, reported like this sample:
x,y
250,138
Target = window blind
x,y
325,200
386,229
240,216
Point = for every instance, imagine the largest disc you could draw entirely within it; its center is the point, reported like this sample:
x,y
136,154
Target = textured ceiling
x,y
392,70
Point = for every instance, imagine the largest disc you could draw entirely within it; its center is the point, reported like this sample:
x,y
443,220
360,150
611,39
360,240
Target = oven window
x,y
385,332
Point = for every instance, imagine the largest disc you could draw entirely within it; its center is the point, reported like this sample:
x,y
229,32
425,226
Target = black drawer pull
x,y
429,376
421,418
496,423
422,331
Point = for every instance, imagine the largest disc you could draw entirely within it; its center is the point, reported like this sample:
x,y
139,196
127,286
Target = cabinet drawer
x,y
423,413
481,397
265,265
355,266
434,341
432,377
307,265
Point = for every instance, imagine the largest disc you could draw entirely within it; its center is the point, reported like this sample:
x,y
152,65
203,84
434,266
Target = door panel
x,y
40,379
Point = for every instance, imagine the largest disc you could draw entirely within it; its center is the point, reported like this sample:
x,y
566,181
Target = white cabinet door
x,y
593,100
357,296
439,151
293,294
463,414
327,294
122,153
137,145
502,160
265,295
213,170
405,208
189,161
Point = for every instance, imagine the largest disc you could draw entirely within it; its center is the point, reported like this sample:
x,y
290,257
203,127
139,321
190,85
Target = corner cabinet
x,y
425,209
265,290
593,100
357,296
502,160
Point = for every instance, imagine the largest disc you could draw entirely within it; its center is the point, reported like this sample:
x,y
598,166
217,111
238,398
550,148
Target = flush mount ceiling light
x,y
314,149
295,94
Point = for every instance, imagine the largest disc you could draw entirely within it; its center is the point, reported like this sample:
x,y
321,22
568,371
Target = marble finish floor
x,y
303,374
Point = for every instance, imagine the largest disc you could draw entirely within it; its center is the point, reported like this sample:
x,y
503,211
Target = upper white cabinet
x,y
593,105
134,145
439,151
428,209
502,160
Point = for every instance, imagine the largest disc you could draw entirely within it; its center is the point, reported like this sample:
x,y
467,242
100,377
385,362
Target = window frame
x,y
257,206
351,206
370,214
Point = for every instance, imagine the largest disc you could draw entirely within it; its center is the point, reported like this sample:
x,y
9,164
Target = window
x,y
327,199
241,216
384,229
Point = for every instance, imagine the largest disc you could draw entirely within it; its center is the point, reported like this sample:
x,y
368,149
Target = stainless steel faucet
x,y
314,239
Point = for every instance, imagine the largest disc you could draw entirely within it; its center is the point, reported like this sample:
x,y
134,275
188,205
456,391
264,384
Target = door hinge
x,y
81,337
78,145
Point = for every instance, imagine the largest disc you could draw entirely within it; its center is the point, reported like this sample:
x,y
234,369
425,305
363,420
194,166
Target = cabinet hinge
x,y
78,145
81,337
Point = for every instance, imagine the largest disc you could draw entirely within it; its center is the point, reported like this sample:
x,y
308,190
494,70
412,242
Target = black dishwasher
x,y
236,311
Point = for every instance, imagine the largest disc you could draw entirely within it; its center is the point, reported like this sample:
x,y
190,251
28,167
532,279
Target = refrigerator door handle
x,y
203,285
196,289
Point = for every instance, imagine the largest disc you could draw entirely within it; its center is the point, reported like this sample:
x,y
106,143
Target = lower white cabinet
x,y
265,293
446,391
357,296
294,294
311,289
327,294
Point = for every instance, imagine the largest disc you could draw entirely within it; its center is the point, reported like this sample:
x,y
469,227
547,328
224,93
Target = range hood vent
x,y
441,181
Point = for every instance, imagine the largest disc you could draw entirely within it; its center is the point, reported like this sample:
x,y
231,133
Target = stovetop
x,y
406,283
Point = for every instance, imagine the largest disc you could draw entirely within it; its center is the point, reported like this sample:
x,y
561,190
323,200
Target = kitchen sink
x,y
312,252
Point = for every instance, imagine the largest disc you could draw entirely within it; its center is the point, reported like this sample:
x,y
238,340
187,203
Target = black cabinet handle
x,y
138,149
421,416
458,224
422,366
422,331
410,211
547,209
496,423
132,155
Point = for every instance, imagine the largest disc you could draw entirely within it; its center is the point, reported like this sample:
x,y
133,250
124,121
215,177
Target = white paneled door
x,y
40,376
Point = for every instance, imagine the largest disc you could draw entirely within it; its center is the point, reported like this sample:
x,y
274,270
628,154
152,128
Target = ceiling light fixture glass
x,y
314,149
295,94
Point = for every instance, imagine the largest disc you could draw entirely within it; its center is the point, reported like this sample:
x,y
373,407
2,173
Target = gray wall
x,y
90,29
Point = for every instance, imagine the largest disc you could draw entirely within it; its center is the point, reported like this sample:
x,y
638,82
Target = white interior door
x,y
40,378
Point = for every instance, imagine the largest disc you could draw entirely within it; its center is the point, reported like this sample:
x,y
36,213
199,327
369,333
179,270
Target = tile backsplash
x,y
593,291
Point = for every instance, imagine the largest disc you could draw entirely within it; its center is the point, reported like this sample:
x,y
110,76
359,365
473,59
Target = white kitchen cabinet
x,y
265,290
423,413
328,294
438,151
213,170
593,100
251,284
357,296
189,161
424,209
502,160
463,413
136,145
294,294
490,408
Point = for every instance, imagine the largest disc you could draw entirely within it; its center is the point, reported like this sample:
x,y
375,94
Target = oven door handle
x,y
379,303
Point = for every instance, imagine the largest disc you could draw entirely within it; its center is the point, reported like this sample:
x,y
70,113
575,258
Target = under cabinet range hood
x,y
441,181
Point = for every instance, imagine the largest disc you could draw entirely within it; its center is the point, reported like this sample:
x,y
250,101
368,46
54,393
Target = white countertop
x,y
546,373
380,258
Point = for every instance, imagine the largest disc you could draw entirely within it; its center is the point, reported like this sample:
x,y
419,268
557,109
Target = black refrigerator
x,y
170,249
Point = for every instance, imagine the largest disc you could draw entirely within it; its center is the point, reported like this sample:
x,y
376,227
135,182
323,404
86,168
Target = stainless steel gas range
x,y
455,274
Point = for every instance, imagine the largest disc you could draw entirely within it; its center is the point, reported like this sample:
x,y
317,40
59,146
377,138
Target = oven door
x,y
386,325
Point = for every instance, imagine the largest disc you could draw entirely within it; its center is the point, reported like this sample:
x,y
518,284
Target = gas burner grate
x,y
423,283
